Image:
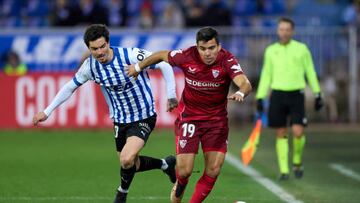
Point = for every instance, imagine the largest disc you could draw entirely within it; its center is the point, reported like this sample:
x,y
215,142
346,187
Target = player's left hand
x,y
236,97
171,104
131,72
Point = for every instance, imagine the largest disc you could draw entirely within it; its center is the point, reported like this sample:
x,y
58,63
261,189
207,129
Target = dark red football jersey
x,y
206,86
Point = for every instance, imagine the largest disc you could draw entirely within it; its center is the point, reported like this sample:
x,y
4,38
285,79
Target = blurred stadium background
x,y
47,36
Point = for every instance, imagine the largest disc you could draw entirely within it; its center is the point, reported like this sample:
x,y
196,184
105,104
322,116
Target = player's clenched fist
x,y
39,117
172,104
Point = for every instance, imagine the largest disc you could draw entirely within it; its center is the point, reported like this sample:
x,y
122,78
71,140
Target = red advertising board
x,y
23,96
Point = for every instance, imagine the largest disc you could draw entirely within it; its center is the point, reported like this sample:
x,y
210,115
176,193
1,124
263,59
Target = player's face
x,y
285,32
208,51
100,49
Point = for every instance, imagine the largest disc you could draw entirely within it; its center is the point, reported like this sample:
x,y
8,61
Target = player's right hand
x,y
172,104
260,105
39,117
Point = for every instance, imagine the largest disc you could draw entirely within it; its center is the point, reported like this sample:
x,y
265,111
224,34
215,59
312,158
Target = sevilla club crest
x,y
215,73
183,143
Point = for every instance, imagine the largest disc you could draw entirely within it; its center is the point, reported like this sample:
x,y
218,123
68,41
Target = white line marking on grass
x,y
266,182
82,198
345,171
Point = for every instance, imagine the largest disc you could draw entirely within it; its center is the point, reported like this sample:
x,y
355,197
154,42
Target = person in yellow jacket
x,y
14,66
286,64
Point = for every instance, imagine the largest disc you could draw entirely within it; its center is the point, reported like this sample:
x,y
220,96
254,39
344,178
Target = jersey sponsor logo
x,y
201,84
237,68
215,73
182,143
116,88
174,52
120,87
141,55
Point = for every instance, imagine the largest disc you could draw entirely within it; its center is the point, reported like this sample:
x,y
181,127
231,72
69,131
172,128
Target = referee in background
x,y
286,62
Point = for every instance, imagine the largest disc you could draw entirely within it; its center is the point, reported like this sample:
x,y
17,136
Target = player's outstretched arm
x,y
244,88
134,69
64,94
168,75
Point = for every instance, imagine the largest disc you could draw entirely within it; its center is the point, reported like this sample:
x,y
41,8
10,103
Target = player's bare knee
x,y
126,160
184,173
213,171
297,130
281,132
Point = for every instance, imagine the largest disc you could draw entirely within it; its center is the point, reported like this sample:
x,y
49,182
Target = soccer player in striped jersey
x,y
209,71
130,101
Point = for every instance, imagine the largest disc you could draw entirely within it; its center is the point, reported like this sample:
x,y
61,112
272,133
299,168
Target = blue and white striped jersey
x,y
129,100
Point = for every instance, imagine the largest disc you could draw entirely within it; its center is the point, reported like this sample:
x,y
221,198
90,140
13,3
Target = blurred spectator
x,y
244,7
34,13
351,14
146,19
330,92
218,14
89,12
62,14
118,13
13,65
172,16
10,12
194,13
351,17
274,7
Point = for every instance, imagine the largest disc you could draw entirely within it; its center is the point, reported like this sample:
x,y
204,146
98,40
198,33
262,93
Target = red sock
x,y
203,188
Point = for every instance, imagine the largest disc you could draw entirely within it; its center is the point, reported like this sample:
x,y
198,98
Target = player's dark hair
x,y
287,20
206,34
94,32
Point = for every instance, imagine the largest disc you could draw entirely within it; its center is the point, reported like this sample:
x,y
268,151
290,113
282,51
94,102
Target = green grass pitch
x,y
73,166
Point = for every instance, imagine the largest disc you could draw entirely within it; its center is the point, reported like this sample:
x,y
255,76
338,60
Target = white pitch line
x,y
345,171
82,198
258,177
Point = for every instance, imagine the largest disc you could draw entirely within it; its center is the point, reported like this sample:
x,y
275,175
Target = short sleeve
x,y
137,55
176,57
232,66
83,74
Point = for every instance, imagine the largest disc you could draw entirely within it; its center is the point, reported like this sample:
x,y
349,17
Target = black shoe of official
x,y
120,197
170,171
298,170
284,177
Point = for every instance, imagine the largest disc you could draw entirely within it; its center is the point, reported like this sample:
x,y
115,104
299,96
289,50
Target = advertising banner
x,y
24,96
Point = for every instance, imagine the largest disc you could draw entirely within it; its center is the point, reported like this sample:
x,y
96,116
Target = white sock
x,y
164,165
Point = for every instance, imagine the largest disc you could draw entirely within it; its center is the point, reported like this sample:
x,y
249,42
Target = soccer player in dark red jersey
x,y
209,70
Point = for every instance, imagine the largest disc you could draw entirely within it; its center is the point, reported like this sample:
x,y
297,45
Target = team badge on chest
x,y
215,73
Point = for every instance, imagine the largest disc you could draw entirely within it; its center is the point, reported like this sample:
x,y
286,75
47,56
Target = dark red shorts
x,y
212,135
